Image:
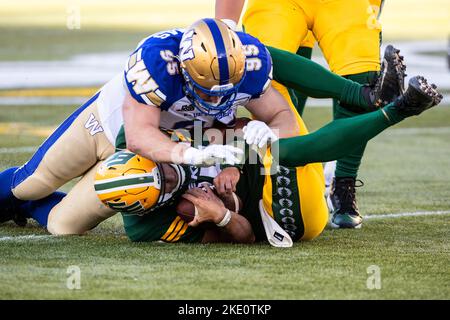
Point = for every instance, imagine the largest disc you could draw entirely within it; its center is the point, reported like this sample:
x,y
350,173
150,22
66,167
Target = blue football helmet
x,y
212,63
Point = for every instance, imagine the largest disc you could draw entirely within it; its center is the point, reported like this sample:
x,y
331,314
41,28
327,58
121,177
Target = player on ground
x,y
172,79
274,205
174,100
348,34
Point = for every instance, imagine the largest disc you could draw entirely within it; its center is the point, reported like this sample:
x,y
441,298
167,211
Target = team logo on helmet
x,y
129,183
212,63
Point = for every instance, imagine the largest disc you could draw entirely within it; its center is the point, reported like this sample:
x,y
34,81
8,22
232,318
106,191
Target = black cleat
x,y
8,214
390,84
345,212
419,97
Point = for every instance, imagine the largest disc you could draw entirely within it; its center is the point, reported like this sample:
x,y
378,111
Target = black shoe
x,y
8,214
390,84
345,212
419,97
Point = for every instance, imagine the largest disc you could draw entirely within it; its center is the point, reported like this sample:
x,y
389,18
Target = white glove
x,y
230,23
259,133
212,154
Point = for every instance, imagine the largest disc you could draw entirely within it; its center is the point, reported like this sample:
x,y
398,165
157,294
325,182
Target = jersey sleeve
x,y
258,66
152,73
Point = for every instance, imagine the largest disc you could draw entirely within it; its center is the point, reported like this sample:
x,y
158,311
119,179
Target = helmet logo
x,y
186,51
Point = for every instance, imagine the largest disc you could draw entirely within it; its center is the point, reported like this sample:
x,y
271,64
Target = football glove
x,y
258,133
212,154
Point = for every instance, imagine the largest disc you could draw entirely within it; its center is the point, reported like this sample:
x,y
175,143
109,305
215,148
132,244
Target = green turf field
x,y
406,170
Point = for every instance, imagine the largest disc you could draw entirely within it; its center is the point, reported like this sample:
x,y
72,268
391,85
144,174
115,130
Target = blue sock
x,y
40,209
7,199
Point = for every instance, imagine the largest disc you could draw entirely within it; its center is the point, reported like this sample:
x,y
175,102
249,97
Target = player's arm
x,y
227,10
232,227
272,109
141,124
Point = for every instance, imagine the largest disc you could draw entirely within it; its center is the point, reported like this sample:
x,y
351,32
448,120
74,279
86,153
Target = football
x,y
187,211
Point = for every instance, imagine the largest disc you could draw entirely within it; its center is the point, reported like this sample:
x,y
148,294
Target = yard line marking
x,y
15,150
407,214
27,237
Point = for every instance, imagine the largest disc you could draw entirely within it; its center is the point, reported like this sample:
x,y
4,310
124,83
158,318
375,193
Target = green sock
x,y
305,52
336,139
348,166
313,80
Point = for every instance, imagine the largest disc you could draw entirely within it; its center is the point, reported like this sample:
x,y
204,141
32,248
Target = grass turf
x,y
405,169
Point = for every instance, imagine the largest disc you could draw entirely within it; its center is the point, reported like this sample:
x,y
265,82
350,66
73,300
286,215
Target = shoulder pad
x,y
258,66
152,71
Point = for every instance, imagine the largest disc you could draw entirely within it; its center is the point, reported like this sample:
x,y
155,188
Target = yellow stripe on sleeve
x,y
180,225
172,226
180,234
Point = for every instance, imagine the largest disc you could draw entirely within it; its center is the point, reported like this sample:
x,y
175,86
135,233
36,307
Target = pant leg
x,y
80,210
281,24
348,35
75,146
294,197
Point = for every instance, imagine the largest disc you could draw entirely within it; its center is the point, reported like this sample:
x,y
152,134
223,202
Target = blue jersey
x,y
153,77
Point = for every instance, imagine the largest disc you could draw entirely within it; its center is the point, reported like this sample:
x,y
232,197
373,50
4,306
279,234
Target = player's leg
x,y
294,197
79,211
337,138
279,23
349,36
69,152
305,51
19,211
315,81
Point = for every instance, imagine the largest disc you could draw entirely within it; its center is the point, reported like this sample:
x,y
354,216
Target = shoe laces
x,y
345,190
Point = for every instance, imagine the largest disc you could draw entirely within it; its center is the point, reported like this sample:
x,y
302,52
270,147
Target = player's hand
x,y
258,133
209,207
212,154
226,181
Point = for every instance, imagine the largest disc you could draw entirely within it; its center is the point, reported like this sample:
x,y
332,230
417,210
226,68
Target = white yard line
x,y
26,237
33,237
406,214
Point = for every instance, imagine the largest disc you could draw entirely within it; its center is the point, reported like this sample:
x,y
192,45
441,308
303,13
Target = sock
x,y
7,199
348,166
40,209
313,80
336,139
305,52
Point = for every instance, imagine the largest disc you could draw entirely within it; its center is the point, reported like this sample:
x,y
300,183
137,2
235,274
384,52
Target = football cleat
x,y
212,63
389,85
342,202
419,97
131,184
14,215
